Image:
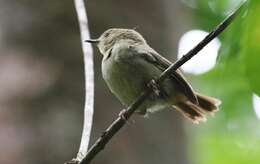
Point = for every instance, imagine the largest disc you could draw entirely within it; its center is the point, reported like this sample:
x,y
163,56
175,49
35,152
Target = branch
x,y
89,81
121,121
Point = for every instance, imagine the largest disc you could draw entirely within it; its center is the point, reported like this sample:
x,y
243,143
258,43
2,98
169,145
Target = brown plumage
x,y
197,112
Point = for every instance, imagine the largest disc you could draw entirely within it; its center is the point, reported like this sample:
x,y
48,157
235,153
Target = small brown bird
x,y
129,64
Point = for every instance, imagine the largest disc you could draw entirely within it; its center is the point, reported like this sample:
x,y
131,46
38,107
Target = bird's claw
x,y
122,114
73,161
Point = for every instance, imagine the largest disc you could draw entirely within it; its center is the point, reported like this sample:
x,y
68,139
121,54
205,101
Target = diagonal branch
x,y
121,121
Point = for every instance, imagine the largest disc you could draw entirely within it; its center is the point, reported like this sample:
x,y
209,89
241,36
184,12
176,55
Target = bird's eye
x,y
107,34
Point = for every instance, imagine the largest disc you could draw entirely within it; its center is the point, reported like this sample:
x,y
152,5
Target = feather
x,y
162,64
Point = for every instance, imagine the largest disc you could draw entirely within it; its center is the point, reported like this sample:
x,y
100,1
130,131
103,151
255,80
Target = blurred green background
x,y
42,83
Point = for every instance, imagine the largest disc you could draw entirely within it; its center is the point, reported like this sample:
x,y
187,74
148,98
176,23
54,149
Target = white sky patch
x,y
256,104
205,59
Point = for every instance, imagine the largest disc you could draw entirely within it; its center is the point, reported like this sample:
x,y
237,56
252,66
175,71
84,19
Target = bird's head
x,y
115,35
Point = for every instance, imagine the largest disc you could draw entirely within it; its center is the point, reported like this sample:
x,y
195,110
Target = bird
x,y
129,64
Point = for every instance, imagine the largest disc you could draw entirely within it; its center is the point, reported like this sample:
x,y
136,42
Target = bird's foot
x,y
122,114
73,161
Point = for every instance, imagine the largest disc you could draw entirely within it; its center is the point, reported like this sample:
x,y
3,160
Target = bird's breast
x,y
126,78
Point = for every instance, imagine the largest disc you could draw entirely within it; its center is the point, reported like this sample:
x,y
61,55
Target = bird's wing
x,y
162,63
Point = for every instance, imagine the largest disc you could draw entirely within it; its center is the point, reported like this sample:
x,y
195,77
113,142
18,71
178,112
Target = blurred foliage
x,y
251,48
233,135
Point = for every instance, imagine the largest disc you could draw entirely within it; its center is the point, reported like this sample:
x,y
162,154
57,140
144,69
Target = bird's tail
x,y
197,112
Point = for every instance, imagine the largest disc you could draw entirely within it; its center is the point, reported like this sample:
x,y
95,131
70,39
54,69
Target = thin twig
x,y
121,121
89,80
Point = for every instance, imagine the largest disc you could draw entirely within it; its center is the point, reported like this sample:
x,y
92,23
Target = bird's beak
x,y
94,41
